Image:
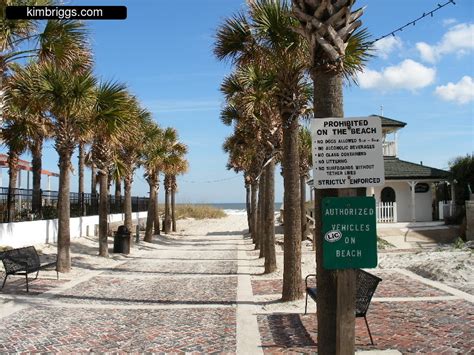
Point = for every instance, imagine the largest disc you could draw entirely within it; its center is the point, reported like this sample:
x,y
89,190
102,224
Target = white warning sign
x,y
347,152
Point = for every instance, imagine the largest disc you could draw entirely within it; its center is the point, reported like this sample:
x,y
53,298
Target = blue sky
x,y
163,52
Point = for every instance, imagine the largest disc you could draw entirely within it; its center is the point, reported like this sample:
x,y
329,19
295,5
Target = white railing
x,y
386,212
390,149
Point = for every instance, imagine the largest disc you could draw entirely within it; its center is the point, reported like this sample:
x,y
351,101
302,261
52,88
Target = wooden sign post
x,y
347,154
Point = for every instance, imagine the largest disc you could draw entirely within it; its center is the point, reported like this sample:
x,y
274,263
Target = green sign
x,y
349,229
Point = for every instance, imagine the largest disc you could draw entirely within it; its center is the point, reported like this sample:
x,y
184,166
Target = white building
x,y
409,192
408,186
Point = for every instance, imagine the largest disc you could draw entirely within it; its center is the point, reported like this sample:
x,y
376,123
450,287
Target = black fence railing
x,y
84,204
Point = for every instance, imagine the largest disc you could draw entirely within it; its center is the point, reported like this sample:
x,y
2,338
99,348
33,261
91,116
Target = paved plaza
x,y
197,295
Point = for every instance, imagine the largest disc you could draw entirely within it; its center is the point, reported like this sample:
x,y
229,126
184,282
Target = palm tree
x,y
61,42
14,137
271,28
336,52
173,164
153,154
306,163
130,153
23,92
249,93
69,97
244,157
109,116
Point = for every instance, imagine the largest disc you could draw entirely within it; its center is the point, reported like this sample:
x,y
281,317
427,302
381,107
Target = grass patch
x,y
198,212
382,244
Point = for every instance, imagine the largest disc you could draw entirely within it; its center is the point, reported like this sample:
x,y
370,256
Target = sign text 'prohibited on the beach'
x,y
347,152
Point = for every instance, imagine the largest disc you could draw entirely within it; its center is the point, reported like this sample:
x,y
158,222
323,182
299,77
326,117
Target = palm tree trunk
x,y
103,223
270,255
156,215
262,229
291,200
64,212
12,182
258,229
303,206
93,180
127,208
151,212
36,162
247,207
167,222
328,102
82,159
253,209
173,206
118,196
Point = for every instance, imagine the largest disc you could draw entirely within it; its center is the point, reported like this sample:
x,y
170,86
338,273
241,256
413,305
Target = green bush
x,y
383,244
49,212
198,212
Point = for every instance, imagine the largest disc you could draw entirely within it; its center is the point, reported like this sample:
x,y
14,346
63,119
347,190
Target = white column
x,y
396,144
371,191
27,179
19,179
412,185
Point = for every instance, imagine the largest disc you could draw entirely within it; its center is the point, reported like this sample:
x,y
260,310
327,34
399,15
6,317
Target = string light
x,y
413,22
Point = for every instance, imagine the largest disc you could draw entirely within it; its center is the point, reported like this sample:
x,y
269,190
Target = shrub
x,y
198,212
383,244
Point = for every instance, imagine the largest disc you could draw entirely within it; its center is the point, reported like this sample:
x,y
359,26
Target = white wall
x,y
403,198
46,231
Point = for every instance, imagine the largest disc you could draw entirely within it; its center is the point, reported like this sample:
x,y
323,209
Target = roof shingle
x,y
400,169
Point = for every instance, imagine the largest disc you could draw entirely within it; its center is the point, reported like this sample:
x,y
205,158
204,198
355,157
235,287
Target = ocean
x,y
237,208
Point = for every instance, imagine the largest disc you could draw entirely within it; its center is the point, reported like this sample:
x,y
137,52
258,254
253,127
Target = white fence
x,y
21,234
386,212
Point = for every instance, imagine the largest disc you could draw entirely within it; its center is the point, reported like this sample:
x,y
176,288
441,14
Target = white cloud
x,y
462,92
387,45
427,52
449,22
459,39
409,75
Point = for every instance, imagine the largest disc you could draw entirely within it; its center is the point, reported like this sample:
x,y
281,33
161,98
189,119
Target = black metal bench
x,y
23,261
366,285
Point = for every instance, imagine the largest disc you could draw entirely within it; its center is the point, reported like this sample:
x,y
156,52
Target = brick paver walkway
x,y
196,295
173,296
408,313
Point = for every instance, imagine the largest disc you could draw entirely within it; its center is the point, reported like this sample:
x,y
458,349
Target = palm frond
x,y
66,43
358,52
233,38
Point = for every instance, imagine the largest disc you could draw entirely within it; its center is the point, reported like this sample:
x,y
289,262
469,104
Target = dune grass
x,y
198,212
